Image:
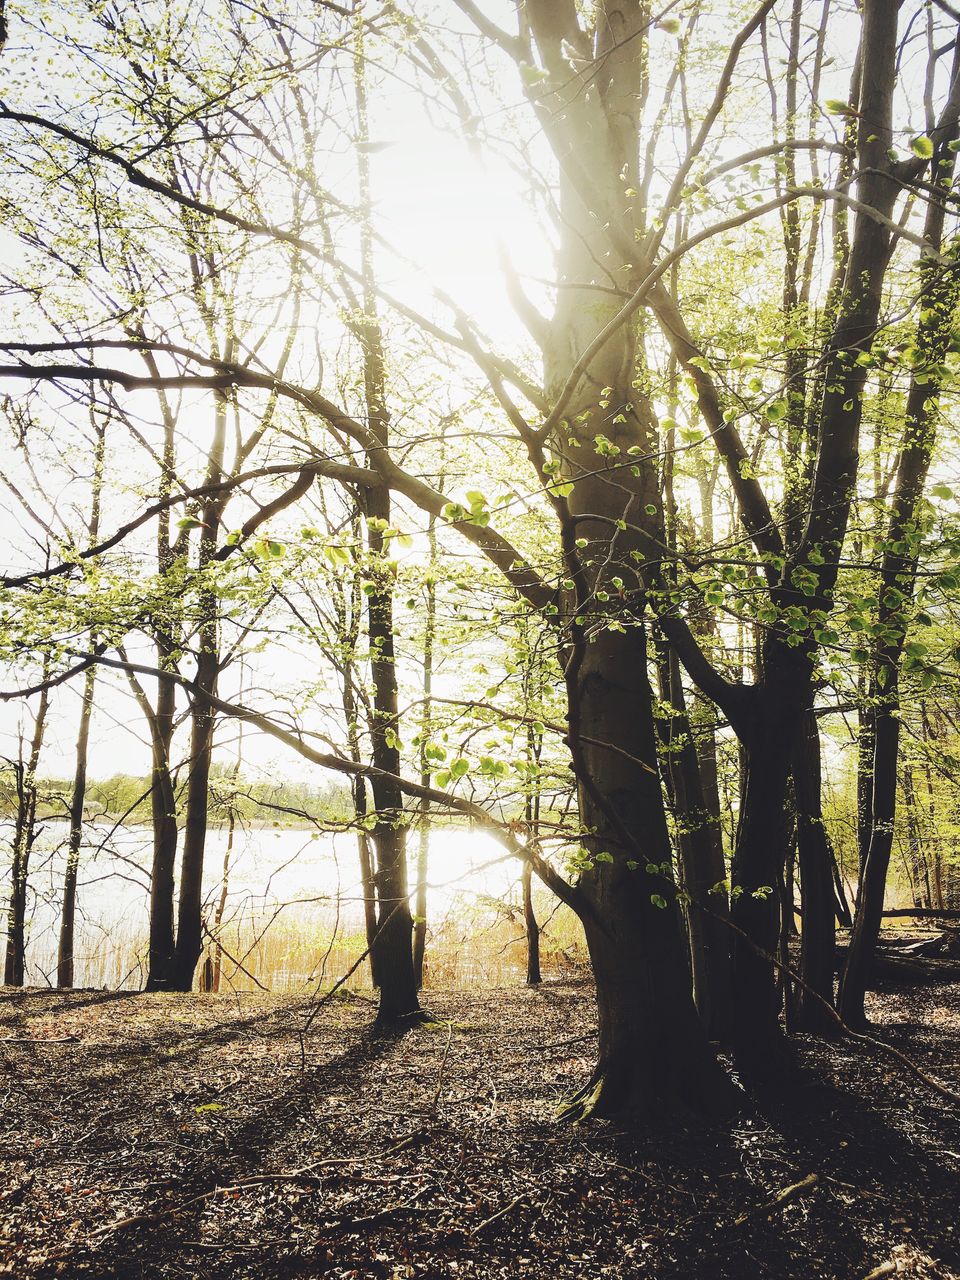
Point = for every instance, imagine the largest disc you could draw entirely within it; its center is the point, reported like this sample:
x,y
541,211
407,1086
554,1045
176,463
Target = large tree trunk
x,y
653,1052
784,691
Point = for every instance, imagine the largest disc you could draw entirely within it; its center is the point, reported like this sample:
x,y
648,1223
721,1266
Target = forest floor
x,y
188,1136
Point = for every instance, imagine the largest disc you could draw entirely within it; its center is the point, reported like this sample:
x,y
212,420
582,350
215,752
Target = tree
x,y
596,560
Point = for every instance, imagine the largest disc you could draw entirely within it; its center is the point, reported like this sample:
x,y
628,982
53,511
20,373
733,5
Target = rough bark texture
x,y
653,1050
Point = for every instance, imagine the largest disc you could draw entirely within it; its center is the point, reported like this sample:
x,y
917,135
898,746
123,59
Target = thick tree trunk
x,y
654,1053
814,998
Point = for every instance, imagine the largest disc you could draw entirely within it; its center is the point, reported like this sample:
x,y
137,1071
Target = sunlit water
x,y
296,891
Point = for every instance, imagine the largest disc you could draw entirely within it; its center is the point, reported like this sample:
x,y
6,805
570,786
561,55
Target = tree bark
x,y
701,858
24,835
940,292
189,940
423,851
817,905
653,1051
65,945
393,943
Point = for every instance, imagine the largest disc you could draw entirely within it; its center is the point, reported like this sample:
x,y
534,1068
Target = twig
x,y
304,1175
499,1214
37,1039
884,1269
780,1199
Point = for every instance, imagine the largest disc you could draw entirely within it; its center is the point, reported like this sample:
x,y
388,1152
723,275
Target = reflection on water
x,y
294,909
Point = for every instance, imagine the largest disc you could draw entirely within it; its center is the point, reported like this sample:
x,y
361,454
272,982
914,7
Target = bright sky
x,y
447,213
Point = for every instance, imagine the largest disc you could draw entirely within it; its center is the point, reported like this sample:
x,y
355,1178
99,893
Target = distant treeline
x,y
125,796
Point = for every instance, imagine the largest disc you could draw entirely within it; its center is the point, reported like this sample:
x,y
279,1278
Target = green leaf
x,y
531,75
922,146
837,107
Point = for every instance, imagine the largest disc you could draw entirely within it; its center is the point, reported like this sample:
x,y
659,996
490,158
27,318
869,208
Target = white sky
x,y
448,214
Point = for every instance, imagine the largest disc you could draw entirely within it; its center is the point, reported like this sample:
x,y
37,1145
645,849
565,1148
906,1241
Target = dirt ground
x,y
189,1136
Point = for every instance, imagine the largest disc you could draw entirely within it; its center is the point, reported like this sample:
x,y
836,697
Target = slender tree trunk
x,y
393,946
189,943
222,902
866,928
163,807
531,814
349,608
24,835
531,928
940,292
65,946
817,905
701,858
919,865
761,1052
423,850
